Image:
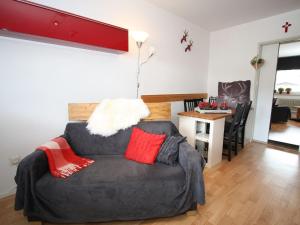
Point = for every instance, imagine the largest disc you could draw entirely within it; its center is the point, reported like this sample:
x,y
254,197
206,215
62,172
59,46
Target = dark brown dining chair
x,y
212,99
231,131
243,123
190,104
241,131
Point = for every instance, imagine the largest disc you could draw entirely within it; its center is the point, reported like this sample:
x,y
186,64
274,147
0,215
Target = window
x,y
288,79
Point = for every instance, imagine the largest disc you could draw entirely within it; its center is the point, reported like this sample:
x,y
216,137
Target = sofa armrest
x,y
30,169
193,164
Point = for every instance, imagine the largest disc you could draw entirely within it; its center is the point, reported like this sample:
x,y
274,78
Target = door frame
x,y
257,72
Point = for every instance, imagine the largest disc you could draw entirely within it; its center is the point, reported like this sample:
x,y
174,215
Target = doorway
x,y
285,114
276,115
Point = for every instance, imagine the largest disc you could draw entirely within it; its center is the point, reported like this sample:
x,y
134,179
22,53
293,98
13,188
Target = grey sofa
x,y
113,188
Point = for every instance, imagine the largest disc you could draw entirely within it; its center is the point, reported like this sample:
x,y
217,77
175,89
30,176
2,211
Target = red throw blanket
x,y
61,158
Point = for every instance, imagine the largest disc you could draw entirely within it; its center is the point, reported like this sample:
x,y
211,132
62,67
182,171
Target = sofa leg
x,y
36,223
193,212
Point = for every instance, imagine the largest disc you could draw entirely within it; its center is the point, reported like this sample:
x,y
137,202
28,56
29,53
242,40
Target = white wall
x,y
39,79
232,49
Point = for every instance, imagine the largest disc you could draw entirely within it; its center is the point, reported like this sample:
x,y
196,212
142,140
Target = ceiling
x,y
289,49
217,14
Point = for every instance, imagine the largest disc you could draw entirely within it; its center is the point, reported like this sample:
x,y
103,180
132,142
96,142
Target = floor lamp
x,y
140,37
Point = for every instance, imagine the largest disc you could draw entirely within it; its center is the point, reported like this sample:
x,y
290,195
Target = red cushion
x,y
144,147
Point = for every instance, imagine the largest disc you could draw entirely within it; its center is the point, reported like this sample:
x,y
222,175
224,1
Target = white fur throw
x,y
110,116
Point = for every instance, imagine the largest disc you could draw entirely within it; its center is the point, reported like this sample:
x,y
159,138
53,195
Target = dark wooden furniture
x,y
242,127
190,104
231,131
298,111
212,99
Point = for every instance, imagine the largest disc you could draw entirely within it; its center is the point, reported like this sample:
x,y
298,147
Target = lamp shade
x,y
139,36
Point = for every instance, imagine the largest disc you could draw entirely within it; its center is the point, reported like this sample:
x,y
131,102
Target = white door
x,y
267,77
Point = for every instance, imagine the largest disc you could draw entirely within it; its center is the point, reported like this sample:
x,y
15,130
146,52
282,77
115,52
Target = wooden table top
x,y
206,116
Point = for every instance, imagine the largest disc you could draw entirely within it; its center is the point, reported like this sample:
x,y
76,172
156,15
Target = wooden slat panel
x,y
159,111
82,111
172,97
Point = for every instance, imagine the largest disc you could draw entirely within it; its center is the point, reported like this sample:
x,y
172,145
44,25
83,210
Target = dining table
x,y
205,129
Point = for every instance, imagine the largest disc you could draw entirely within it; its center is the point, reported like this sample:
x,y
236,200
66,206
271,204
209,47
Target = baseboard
x,y
284,145
248,141
261,142
12,191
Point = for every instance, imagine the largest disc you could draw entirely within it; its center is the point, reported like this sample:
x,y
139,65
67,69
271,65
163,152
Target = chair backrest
x,y
212,99
247,108
236,118
190,104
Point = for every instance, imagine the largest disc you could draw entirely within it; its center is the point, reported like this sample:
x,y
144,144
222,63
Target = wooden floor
x,y
286,132
260,186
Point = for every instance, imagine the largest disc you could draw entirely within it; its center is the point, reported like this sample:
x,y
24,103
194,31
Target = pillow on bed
x,y
143,147
169,150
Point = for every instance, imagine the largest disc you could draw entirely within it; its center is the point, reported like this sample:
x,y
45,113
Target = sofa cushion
x,y
83,143
143,147
168,152
113,182
159,127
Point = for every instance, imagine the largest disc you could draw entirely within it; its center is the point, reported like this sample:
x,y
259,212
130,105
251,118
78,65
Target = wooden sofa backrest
x,y
82,111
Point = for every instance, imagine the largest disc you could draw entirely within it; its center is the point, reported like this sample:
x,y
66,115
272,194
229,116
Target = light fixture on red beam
x,y
24,19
